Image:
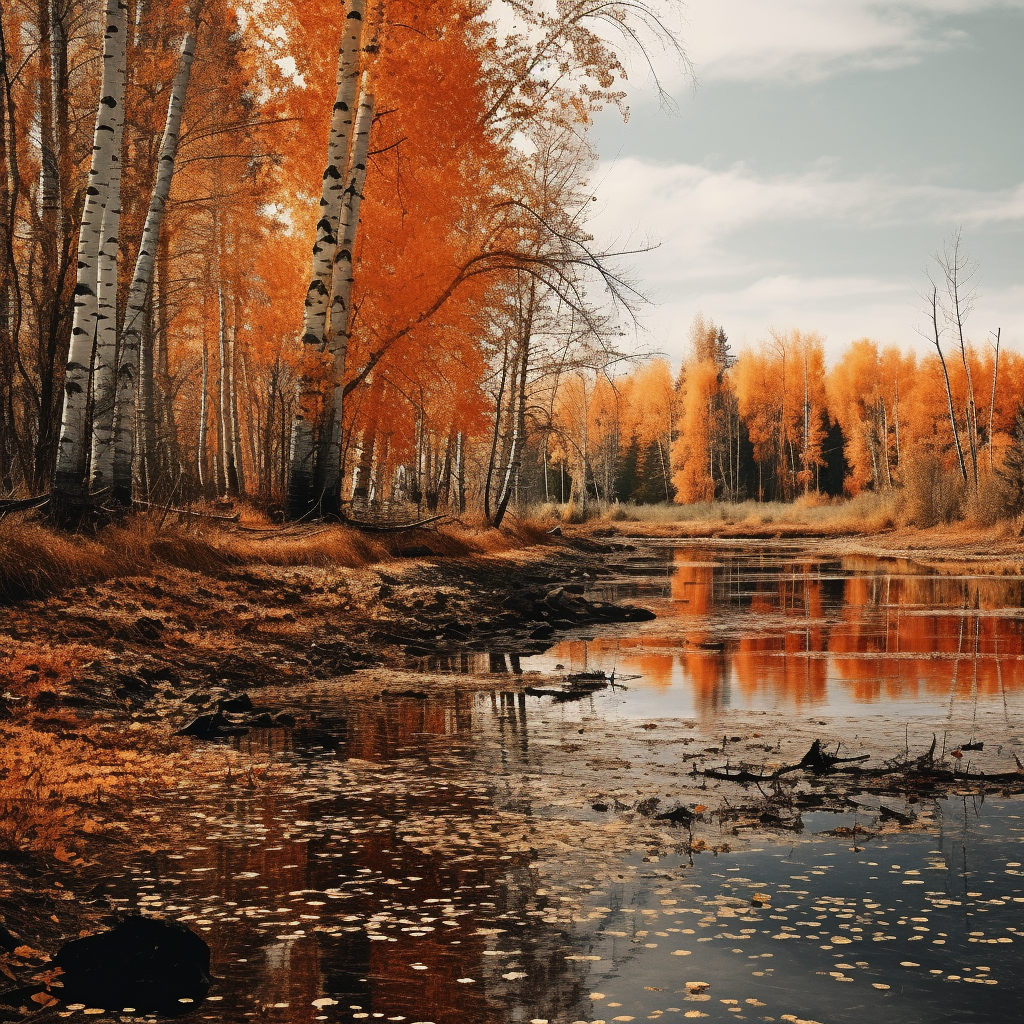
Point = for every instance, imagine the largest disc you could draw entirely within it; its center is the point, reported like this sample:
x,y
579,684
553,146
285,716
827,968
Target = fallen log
x,y
9,505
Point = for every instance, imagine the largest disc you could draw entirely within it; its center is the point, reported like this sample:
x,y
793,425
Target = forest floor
x,y
98,677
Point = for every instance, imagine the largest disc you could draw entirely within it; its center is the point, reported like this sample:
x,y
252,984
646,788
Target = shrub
x,y
931,494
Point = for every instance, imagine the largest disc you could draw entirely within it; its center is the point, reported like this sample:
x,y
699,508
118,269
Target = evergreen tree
x,y
626,477
653,483
1012,473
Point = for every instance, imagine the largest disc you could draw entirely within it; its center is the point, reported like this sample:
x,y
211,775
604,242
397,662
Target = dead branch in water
x,y
920,770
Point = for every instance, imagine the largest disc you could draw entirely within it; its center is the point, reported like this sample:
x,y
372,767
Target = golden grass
x,y
37,560
868,512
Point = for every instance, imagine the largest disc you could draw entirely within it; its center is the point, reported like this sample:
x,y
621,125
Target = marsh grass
x,y
868,512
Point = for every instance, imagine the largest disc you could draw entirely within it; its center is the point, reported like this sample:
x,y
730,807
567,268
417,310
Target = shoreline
x,y
996,550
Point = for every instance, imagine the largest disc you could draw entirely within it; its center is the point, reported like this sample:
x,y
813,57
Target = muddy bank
x,y
997,550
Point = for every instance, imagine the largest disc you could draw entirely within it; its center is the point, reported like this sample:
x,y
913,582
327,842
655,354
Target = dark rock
x,y
149,628
143,962
261,721
599,807
46,699
210,727
284,720
235,705
648,806
677,816
555,531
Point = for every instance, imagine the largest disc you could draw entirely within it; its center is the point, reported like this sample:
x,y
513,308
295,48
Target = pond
x,y
472,853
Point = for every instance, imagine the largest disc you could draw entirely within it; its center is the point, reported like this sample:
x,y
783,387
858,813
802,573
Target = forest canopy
x,y
319,253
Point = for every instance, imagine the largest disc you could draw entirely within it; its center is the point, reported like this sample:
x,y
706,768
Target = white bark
x,y
341,290
302,455
142,280
203,414
70,485
333,189
105,353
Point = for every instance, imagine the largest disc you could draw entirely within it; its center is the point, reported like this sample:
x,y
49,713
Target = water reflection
x,y
378,864
783,628
355,870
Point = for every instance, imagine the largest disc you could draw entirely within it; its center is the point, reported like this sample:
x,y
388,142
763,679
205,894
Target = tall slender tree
x,y
70,485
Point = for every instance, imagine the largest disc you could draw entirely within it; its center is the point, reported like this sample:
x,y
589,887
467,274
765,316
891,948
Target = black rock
x,y
599,807
143,962
284,720
677,816
148,627
241,703
209,727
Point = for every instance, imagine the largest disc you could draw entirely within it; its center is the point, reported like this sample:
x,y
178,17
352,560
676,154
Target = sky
x,y
822,152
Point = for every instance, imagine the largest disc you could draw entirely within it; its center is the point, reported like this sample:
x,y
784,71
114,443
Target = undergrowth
x,y
38,560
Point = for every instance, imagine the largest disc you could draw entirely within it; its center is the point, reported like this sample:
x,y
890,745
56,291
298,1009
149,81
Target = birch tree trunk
x,y
303,454
949,390
368,442
142,279
70,487
992,400
236,433
226,483
201,459
341,294
332,196
104,366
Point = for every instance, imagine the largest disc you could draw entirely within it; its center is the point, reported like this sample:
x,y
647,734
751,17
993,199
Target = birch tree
x,y
105,349
303,455
70,487
142,280
341,294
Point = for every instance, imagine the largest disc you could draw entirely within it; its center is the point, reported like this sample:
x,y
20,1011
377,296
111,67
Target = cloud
x,y
810,249
699,208
808,40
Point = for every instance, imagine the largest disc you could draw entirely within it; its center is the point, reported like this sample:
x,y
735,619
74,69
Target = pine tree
x,y
653,485
1012,473
626,478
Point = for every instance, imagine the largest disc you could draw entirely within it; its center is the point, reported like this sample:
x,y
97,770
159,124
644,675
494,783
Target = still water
x,y
477,855
765,628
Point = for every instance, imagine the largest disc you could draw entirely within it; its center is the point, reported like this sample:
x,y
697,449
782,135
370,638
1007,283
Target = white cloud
x,y
698,207
807,40
760,251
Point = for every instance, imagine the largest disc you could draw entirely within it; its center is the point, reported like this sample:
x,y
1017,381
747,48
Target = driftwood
x,y
360,524
191,512
920,771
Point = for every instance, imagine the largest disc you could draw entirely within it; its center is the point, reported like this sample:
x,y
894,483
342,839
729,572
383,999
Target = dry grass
x,y
866,513
37,560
